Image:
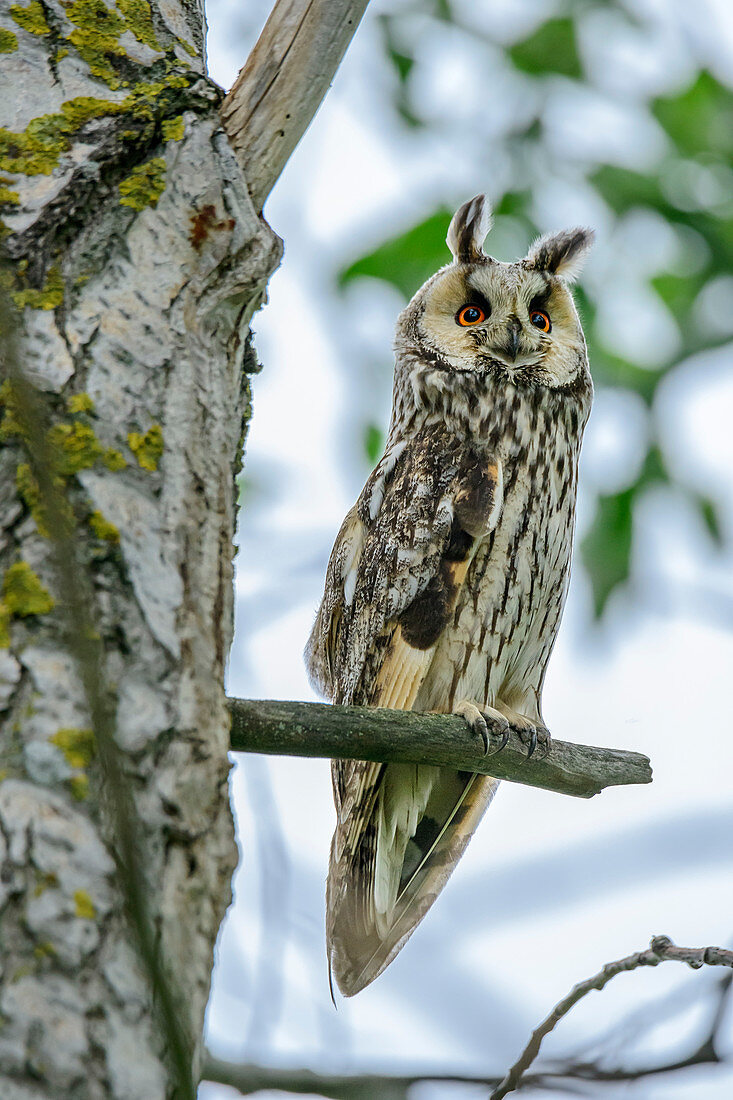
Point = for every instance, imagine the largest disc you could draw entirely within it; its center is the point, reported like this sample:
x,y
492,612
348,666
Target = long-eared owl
x,y
447,580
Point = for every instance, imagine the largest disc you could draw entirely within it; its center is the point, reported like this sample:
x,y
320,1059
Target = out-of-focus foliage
x,y
684,183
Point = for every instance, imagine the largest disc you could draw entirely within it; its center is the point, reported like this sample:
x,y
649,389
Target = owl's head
x,y
518,320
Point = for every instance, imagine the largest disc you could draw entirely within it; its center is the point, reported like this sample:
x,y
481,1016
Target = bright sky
x,y
551,887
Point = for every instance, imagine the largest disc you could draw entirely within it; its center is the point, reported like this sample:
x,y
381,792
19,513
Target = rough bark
x,y
379,734
136,260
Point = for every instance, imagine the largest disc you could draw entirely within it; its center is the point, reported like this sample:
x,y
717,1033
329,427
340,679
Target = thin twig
x,y
661,949
249,1079
78,605
370,733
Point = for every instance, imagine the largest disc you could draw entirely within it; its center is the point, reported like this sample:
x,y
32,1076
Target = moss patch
x,y
4,625
23,593
147,448
30,18
77,745
145,184
84,905
8,41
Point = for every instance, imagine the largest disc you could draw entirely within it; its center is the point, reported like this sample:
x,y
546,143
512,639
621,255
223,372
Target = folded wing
x,y
395,574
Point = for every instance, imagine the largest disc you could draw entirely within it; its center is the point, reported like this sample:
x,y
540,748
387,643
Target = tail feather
x,y
418,828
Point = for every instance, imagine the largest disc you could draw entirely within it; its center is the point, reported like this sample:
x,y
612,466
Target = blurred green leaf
x,y
678,292
401,62
551,49
623,189
700,120
405,261
613,371
373,443
606,549
710,514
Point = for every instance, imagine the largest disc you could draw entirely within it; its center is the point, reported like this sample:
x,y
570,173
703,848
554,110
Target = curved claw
x,y
503,745
474,720
532,743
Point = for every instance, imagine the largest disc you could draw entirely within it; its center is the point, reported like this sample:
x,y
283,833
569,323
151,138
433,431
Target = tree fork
x,y
398,736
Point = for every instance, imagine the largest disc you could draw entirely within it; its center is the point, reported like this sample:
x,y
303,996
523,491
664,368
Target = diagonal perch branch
x,y
281,86
370,733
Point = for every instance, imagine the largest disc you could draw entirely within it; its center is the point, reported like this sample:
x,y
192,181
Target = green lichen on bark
x,y
38,149
31,18
190,50
79,786
10,427
139,19
147,448
103,529
84,905
23,592
113,459
75,447
172,129
8,41
30,494
35,151
50,296
8,197
77,745
95,37
145,184
80,403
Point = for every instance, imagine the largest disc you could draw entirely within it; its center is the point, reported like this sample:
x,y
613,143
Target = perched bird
x,y
447,580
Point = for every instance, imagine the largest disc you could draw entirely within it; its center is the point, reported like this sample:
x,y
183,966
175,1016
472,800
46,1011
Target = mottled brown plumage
x,y
447,580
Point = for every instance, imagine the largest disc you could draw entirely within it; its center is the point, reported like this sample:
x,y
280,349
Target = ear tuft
x,y
467,230
562,253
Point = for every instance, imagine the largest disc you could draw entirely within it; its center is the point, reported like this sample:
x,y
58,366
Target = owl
x,y
447,580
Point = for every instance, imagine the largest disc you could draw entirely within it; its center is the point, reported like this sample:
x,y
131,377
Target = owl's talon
x,y
544,741
475,720
504,742
532,743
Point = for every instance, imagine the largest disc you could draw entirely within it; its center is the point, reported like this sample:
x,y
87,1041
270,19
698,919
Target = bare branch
x,y
281,86
660,950
370,733
248,1079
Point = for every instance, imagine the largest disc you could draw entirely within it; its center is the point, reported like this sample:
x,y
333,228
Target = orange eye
x,y
540,320
470,315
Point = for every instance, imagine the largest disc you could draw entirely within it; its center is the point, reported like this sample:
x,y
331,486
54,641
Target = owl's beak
x,y
513,331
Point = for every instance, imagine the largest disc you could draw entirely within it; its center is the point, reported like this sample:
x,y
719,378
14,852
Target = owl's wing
x,y
394,577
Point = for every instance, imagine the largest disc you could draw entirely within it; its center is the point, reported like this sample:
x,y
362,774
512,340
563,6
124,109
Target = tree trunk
x,y
136,260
